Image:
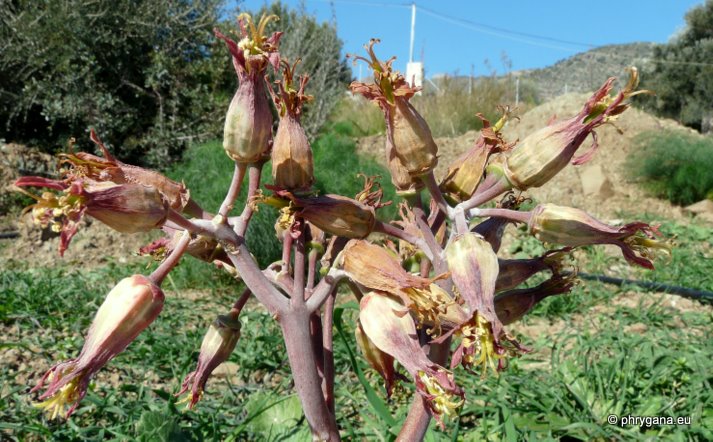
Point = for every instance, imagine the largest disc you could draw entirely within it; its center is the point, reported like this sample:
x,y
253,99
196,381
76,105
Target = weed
x,y
674,165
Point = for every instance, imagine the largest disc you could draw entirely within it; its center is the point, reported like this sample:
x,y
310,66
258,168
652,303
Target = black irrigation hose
x,y
654,286
9,235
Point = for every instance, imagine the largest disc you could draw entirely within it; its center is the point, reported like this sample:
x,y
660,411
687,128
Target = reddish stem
x,y
172,260
328,345
233,191
298,342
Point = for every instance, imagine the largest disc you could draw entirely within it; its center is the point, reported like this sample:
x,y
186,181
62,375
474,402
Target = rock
x,y
226,370
595,182
701,209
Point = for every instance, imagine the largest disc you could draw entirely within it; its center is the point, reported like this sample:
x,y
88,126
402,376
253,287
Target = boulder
x,y
701,209
595,182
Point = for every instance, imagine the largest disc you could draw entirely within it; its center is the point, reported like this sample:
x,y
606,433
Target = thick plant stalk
x,y
295,329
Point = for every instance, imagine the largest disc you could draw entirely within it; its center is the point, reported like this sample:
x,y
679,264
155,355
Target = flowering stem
x,y
241,222
311,272
398,233
264,291
327,345
194,209
233,191
296,331
512,215
186,224
286,250
241,301
298,291
430,181
490,189
171,260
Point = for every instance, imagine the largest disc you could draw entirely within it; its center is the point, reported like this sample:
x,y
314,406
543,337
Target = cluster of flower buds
x,y
422,282
473,295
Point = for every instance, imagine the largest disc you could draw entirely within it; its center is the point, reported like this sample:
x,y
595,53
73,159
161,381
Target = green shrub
x,y
207,170
675,166
139,72
149,76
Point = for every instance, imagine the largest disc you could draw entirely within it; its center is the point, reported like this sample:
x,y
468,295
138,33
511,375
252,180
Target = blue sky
x,y
455,36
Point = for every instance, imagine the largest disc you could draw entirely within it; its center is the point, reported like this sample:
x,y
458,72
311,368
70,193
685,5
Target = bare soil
x,y
95,244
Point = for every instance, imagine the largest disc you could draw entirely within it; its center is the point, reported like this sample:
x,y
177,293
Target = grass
x,y
675,166
594,353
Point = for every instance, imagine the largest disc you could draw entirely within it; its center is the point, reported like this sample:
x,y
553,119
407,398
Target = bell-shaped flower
x,y
407,131
466,172
514,272
474,269
292,164
217,346
128,309
512,305
395,334
247,134
334,214
377,269
382,362
127,208
541,155
574,227
108,168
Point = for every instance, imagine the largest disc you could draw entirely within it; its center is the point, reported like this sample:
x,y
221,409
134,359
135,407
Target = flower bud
x,y
541,155
247,133
402,180
474,269
128,309
466,172
407,131
108,168
217,346
375,268
335,214
395,334
412,139
126,208
292,165
573,227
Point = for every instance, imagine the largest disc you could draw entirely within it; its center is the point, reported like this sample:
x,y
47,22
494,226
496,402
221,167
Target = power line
x,y
499,31
510,34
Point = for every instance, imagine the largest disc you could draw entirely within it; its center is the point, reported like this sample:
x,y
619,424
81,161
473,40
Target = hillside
x,y
586,71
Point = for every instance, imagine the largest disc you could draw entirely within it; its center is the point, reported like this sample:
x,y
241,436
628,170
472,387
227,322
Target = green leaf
x,y
155,426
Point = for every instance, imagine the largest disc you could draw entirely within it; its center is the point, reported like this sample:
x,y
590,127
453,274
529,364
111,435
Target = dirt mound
x,y
621,195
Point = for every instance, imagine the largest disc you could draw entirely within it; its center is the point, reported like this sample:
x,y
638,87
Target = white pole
x,y
413,30
517,91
